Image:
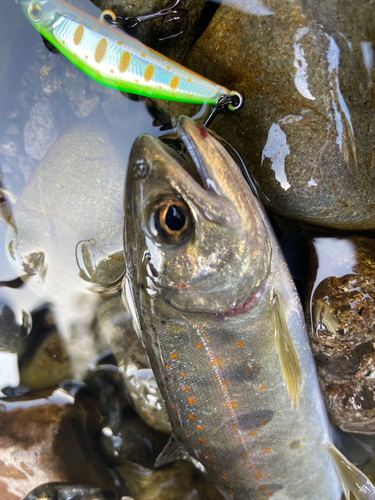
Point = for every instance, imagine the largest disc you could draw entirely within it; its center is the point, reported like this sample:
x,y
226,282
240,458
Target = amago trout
x,y
224,329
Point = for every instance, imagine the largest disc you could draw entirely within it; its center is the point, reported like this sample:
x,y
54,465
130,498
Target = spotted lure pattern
x,y
115,59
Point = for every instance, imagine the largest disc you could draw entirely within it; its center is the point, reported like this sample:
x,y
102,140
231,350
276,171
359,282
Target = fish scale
x,y
224,329
114,58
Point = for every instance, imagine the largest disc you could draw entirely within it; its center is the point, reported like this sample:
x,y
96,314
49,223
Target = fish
x,y
114,58
223,326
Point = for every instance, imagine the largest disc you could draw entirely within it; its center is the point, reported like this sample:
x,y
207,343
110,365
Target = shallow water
x,y
35,75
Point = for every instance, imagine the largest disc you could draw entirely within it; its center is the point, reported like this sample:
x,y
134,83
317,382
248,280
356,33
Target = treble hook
x,y
128,23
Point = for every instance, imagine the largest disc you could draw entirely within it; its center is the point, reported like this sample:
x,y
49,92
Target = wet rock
x,y
180,481
41,131
117,325
46,440
132,441
69,218
45,362
63,491
10,145
340,313
307,128
152,31
14,326
9,38
106,385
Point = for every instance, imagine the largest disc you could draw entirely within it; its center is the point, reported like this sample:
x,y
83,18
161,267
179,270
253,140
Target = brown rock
x,y
342,329
307,128
46,440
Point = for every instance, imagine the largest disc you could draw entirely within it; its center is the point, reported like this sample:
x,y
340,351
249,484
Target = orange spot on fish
x,y
262,422
189,80
200,428
95,28
200,325
224,478
174,356
217,362
259,475
187,435
191,416
63,42
303,439
167,67
192,400
198,346
244,454
185,388
201,440
167,366
252,433
235,427
179,328
251,466
261,388
181,374
232,404
143,55
214,467
170,329
240,344
239,440
266,451
207,457
174,407
199,451
119,43
299,446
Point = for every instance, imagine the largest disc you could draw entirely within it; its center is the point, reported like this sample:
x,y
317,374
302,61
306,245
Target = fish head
x,y
193,240
40,13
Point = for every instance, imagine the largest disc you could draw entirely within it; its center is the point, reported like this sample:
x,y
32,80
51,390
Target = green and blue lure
x,y
114,58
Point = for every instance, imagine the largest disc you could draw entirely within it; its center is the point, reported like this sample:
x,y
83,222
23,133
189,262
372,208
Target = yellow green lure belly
x,y
114,58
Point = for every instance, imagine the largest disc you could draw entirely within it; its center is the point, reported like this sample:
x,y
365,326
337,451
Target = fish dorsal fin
x,y
351,478
287,354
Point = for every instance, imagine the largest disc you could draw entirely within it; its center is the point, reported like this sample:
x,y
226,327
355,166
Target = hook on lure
x,y
225,103
169,14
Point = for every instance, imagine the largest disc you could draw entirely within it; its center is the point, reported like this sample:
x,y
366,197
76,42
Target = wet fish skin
x,y
205,307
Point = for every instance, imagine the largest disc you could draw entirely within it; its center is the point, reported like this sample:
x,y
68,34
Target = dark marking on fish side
x,y
241,374
255,419
270,488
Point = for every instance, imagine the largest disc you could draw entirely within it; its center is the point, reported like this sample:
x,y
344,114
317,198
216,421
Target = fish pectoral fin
x,y
173,451
351,478
287,354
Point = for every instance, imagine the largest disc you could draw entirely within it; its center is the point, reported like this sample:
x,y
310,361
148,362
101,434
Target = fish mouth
x,y
223,264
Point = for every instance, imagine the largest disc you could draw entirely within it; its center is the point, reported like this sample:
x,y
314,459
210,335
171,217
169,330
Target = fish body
x,y
115,59
223,325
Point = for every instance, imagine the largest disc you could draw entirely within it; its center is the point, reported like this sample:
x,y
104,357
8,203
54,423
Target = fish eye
x,y
173,221
35,12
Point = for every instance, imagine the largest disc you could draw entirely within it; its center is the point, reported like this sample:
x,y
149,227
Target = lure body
x,y
115,59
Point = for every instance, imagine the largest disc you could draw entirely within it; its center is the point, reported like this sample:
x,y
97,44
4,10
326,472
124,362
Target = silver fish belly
x,y
223,326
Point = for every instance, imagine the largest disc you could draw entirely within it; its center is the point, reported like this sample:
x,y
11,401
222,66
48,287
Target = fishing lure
x,y
117,60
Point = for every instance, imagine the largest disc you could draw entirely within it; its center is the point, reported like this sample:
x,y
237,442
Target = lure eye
x,y
35,12
173,221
